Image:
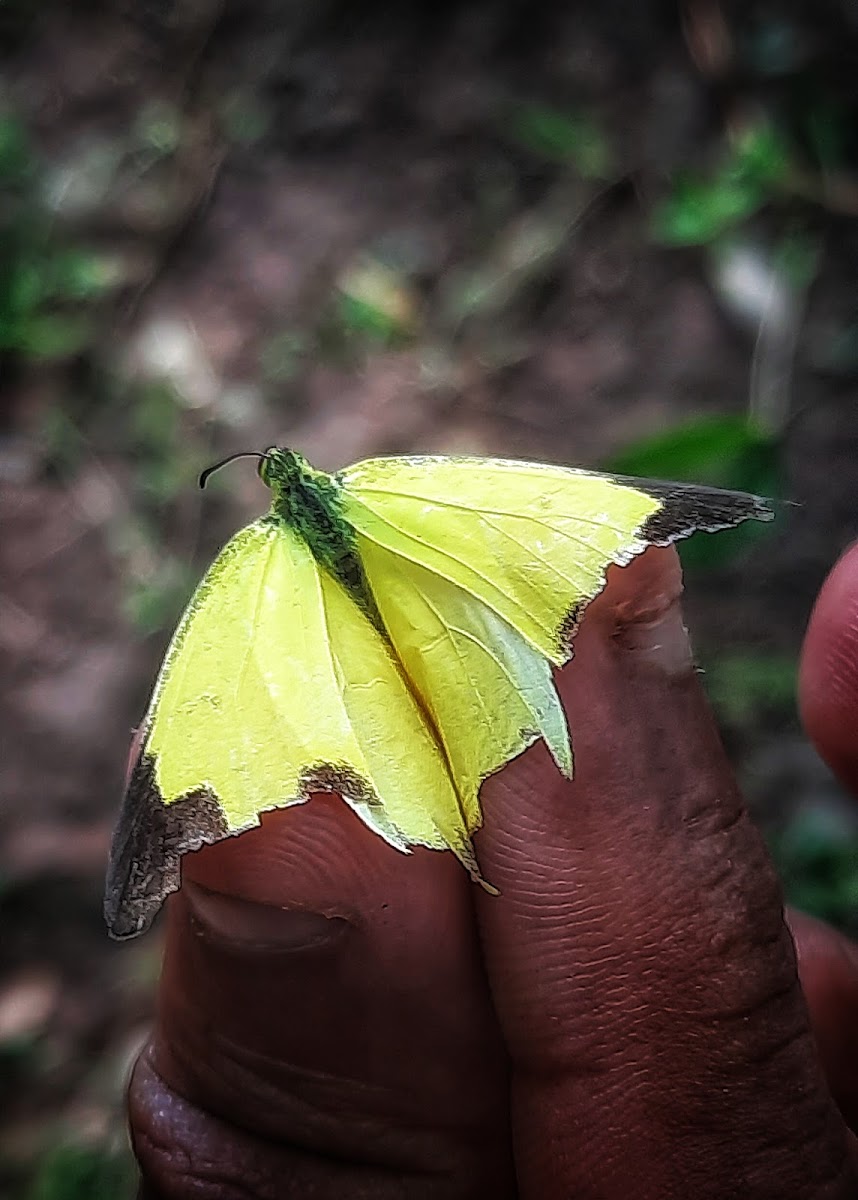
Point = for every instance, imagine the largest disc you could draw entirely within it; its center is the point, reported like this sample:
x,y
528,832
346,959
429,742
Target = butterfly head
x,y
281,469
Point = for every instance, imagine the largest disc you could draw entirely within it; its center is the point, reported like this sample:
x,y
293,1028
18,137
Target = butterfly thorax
x,y
309,501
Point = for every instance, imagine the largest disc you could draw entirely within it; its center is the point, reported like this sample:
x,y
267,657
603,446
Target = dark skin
x,y
339,1020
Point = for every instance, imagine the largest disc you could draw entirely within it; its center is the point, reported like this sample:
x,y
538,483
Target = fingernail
x,y
661,640
246,925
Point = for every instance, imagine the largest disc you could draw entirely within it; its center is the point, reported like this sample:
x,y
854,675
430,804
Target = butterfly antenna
x,y
204,477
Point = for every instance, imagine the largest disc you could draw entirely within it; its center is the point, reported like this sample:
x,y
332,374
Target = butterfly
x,y
386,633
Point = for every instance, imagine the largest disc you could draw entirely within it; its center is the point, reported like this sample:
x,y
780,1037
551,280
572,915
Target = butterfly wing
x,y
533,542
488,692
275,686
481,570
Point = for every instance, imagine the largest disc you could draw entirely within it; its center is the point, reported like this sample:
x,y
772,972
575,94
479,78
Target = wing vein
x,y
471,637
532,550
403,533
255,622
333,660
441,501
450,631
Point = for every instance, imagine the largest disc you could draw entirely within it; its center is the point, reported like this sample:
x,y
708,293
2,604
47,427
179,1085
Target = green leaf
x,y
700,209
723,450
745,685
563,137
375,303
16,159
817,858
24,290
72,1171
82,275
798,257
702,206
762,153
55,336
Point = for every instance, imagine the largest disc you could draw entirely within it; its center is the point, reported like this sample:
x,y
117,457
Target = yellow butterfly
x,y
386,633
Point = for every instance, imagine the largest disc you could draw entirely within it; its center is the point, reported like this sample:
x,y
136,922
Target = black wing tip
x,y
148,844
126,920
687,508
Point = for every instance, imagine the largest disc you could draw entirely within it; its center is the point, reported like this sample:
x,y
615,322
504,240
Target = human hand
x,y
336,1019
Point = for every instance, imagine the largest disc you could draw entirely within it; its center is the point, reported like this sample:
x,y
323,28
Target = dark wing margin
x,y
148,843
686,508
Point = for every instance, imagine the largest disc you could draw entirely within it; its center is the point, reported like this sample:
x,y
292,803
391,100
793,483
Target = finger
x,y
323,1025
828,678
640,966
828,969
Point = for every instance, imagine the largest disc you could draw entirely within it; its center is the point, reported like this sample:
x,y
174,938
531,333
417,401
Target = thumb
x,y
323,1024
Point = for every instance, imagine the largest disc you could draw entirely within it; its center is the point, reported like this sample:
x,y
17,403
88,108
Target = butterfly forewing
x,y
276,685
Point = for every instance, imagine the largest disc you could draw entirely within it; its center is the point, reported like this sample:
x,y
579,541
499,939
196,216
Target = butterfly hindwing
x,y
488,692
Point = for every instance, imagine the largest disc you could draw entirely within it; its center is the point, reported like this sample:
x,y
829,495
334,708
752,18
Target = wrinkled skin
x,y
337,1020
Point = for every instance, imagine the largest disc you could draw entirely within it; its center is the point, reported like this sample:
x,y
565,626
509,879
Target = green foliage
x,y
726,451
563,137
744,686
797,257
146,424
723,450
704,205
817,857
367,320
167,458
42,280
16,160
373,307
73,1171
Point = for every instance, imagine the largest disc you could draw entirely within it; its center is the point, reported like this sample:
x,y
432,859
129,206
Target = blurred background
x,y
621,235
